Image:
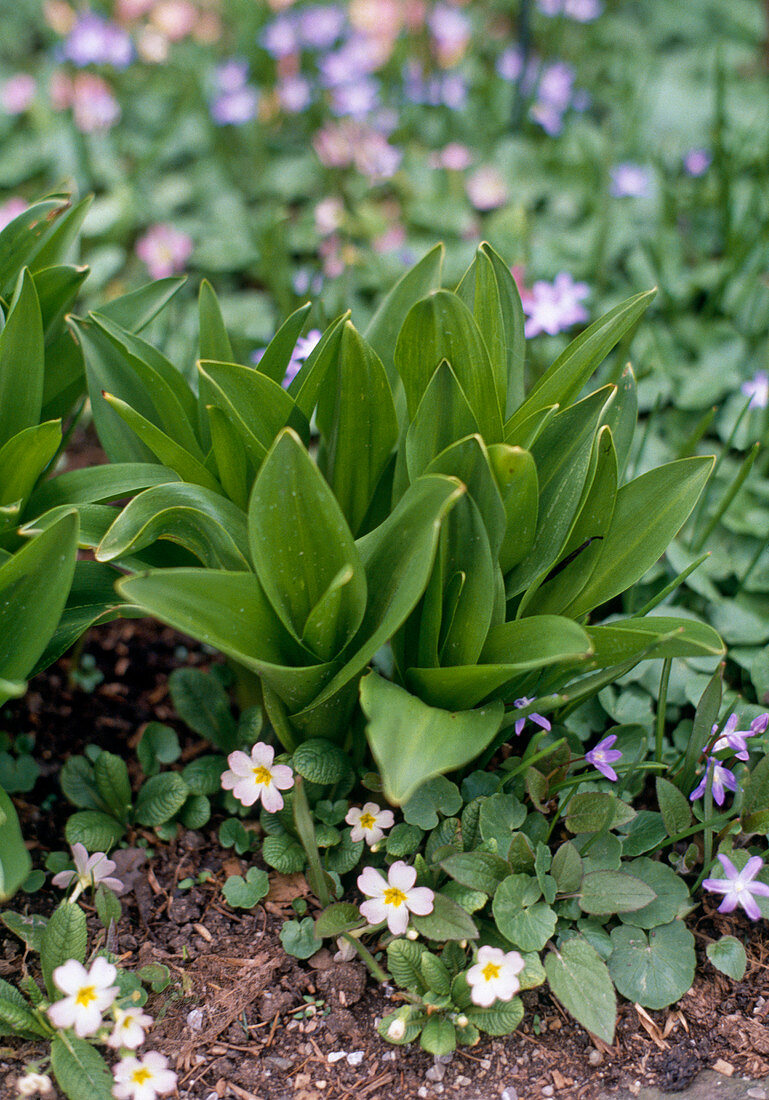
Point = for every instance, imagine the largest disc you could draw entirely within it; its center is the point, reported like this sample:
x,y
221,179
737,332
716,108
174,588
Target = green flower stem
x,y
661,708
665,592
707,858
530,761
728,497
575,780
373,966
306,831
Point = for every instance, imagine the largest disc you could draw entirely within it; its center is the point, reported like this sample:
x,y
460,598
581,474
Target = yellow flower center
x,y
367,821
394,896
141,1075
490,971
262,775
85,996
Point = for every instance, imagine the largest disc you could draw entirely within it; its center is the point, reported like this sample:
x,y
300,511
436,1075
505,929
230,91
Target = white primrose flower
x,y
90,871
255,777
369,823
130,1025
143,1078
494,977
89,994
394,897
33,1083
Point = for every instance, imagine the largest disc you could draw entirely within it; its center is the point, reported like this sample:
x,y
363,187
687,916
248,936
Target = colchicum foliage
x,y
404,530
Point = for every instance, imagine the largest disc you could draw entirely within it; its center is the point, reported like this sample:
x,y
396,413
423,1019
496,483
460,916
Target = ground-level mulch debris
x,y
241,1019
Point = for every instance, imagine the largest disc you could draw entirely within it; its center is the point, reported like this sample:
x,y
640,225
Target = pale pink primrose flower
x,y
394,897
94,107
455,157
486,188
89,994
143,1078
369,822
494,977
255,778
90,871
130,1025
165,250
739,887
17,93
33,1083
175,18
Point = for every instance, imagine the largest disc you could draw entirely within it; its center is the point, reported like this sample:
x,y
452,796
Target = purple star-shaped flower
x,y
723,781
538,719
603,756
739,887
736,740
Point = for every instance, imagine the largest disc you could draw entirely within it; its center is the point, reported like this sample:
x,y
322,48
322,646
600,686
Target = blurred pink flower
x,y
486,189
11,209
165,250
128,10
94,107
329,214
455,157
175,18
391,240
17,93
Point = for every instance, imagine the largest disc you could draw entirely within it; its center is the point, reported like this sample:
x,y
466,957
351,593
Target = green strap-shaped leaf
x,y
34,584
57,288
24,457
562,454
307,383
277,355
300,544
515,472
251,399
359,428
513,319
163,447
207,524
412,742
230,612
383,329
511,649
442,417
22,361
56,243
15,862
98,484
229,454
621,416
480,293
562,382
398,558
214,341
442,327
648,513
654,637
92,599
20,239
135,310
470,462
580,554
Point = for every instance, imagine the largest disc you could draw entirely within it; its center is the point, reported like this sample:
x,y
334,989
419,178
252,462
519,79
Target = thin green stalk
x,y
665,592
304,827
377,971
531,760
621,769
696,434
707,858
752,564
702,503
728,497
661,708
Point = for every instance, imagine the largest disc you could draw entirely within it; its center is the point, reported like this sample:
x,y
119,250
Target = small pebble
x,y
547,1090
355,1058
436,1072
195,1019
444,1059
422,1092
595,1057
461,1081
485,1063
510,1093
336,1056
757,1094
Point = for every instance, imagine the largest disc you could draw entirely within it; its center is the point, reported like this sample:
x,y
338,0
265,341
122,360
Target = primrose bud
x,y
462,1021
412,934
375,847
463,944
396,1030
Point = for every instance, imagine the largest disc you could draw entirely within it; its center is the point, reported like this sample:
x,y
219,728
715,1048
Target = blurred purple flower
x,y
355,99
453,91
538,719
294,94
304,348
630,181
603,756
320,27
17,93
553,307
165,250
739,887
697,162
231,75
723,780
510,63
279,38
450,30
556,85
757,389
550,118
357,58
94,40
583,11
235,108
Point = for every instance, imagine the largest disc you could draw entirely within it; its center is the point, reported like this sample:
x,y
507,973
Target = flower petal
x,y
372,883
401,875
420,900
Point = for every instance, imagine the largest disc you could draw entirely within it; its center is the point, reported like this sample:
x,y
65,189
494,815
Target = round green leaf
x,y
728,956
654,971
